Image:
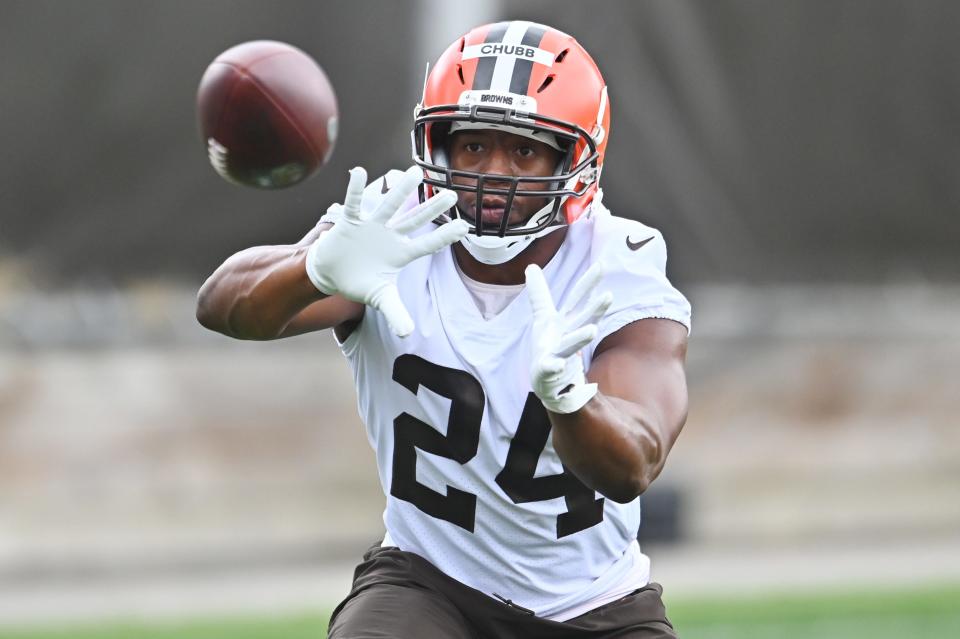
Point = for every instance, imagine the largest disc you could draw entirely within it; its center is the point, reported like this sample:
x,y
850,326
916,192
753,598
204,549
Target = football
x,y
267,114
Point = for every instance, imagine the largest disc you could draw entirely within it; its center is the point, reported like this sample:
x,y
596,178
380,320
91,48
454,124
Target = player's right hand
x,y
359,257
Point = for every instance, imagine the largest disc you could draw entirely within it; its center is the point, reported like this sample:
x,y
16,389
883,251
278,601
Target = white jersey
x,y
463,446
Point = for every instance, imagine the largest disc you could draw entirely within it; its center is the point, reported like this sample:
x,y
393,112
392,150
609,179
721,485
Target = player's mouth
x,y
491,212
491,215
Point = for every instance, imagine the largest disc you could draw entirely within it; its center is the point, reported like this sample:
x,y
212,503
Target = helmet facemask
x,y
431,129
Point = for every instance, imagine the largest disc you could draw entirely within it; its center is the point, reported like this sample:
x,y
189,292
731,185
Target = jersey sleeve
x,y
635,263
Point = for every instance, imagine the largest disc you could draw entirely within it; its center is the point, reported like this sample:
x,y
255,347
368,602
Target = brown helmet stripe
x,y
520,82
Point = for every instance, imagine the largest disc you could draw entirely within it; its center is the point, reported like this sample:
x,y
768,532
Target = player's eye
x,y
473,147
526,151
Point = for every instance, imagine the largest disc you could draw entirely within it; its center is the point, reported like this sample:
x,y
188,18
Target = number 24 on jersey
x,y
461,443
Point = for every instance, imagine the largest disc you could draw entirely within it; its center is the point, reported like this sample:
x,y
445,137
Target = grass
x,y
928,612
312,626
919,613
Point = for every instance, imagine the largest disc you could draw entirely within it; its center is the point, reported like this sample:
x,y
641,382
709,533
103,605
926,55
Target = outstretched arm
x,y
618,441
328,278
613,425
264,293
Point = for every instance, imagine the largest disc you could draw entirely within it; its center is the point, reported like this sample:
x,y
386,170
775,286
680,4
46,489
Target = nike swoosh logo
x,y
633,246
384,188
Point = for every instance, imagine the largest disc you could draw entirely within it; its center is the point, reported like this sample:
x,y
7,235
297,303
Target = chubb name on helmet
x,y
507,49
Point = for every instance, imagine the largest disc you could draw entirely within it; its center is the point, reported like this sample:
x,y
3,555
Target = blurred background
x,y
801,158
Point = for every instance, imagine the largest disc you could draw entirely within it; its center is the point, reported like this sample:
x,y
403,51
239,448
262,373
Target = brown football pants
x,y
400,595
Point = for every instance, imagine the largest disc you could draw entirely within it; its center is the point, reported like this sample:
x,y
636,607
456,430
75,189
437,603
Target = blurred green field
x,y
930,612
918,613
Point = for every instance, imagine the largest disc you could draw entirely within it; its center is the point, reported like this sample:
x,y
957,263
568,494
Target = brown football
x,y
268,114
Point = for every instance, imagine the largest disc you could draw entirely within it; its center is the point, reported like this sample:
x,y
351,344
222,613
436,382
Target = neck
x,y
540,251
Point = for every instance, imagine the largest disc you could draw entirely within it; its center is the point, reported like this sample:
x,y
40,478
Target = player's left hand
x,y
556,371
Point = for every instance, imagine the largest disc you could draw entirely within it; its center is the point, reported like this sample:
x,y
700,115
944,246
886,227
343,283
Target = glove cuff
x,y
317,278
571,401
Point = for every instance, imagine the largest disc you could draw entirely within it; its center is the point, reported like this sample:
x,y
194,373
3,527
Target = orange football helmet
x,y
524,78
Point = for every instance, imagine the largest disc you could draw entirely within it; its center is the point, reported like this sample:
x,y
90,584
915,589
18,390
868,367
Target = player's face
x,y
500,153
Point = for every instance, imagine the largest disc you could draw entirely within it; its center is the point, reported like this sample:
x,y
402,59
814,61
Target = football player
x,y
518,353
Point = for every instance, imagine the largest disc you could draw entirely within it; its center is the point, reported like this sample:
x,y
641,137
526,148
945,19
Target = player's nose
x,y
497,163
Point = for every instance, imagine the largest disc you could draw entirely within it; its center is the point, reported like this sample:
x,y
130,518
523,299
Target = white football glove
x,y
556,371
359,257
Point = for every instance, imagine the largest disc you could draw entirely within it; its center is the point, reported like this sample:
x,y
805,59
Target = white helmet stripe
x,y
503,71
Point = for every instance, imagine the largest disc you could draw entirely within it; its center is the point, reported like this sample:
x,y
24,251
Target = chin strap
x,y
491,249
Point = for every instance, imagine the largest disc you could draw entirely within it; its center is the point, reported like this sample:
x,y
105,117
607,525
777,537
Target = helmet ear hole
x,y
439,134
